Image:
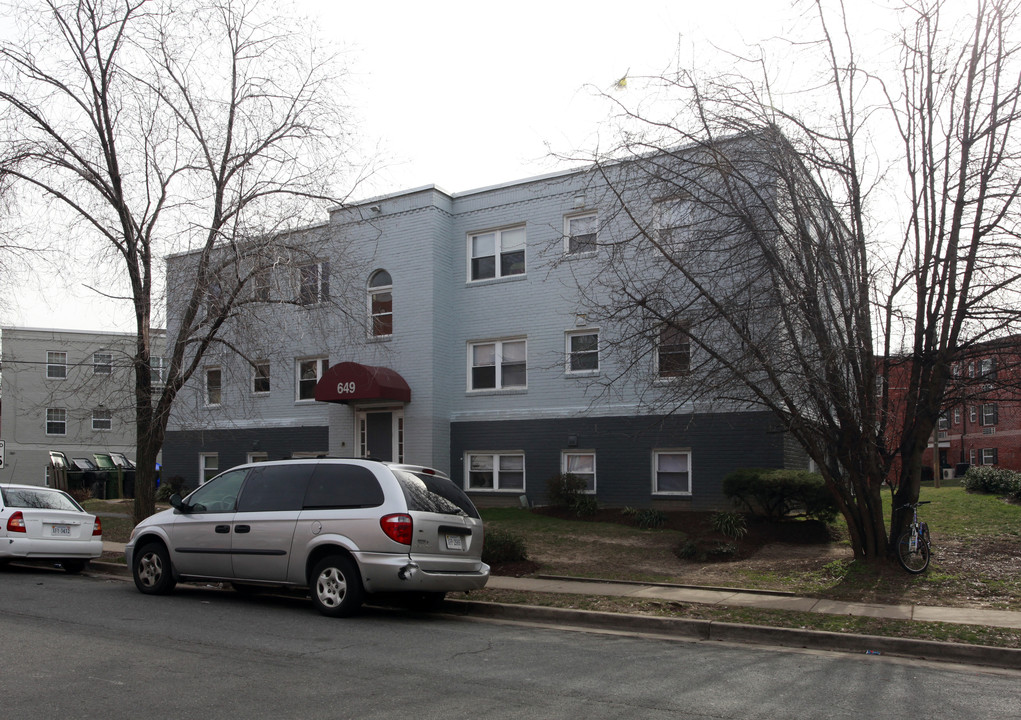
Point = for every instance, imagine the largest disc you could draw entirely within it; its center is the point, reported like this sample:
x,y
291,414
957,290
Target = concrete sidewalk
x,y
740,598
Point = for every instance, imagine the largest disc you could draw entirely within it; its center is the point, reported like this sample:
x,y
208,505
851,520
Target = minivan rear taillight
x,y
397,527
16,522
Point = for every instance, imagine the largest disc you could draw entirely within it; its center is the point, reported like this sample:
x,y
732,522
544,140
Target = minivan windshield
x,y
432,493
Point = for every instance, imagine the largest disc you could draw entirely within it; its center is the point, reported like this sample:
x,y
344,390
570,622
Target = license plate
x,y
455,542
60,530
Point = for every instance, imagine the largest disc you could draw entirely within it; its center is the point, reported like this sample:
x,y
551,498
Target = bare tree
x,y
766,251
205,128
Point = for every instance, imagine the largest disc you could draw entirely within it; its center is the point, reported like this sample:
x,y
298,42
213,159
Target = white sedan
x,y
40,523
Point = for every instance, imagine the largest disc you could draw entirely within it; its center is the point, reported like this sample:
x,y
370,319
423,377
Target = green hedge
x,y
993,480
778,493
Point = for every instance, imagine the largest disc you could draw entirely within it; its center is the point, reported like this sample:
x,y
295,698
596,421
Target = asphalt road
x,y
81,647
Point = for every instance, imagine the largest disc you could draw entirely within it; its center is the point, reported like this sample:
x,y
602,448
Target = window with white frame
x,y
381,304
581,465
309,373
989,456
987,368
943,422
56,421
260,378
158,370
102,419
673,351
262,284
497,365
671,470
972,414
209,466
102,363
497,253
971,457
580,233
257,457
495,471
56,365
990,414
313,283
213,385
583,351
957,416
674,220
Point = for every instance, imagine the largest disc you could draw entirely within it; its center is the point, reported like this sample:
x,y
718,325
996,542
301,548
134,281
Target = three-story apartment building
x,y
447,329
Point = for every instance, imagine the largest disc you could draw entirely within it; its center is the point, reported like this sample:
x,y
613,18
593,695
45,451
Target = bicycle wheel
x,y
913,559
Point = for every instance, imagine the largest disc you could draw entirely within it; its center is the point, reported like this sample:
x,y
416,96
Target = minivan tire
x,y
336,586
151,570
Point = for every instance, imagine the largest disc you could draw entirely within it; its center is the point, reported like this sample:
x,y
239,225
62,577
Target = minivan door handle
x,y
222,529
242,528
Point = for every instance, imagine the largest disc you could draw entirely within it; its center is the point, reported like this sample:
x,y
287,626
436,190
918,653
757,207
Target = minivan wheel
x,y
336,586
151,570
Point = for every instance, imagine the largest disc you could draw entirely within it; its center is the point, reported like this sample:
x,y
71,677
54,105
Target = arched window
x,y
381,304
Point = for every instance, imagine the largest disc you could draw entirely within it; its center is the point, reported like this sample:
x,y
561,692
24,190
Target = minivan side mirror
x,y
179,504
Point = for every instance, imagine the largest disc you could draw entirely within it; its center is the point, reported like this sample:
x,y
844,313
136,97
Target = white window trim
x,y
255,376
158,370
989,415
257,457
62,365
655,466
660,377
322,365
47,421
202,466
595,468
205,385
567,233
569,354
495,455
102,368
108,418
372,291
322,293
497,253
499,365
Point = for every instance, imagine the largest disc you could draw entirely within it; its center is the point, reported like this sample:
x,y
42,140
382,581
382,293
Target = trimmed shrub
x,y
568,491
169,487
993,480
503,547
777,493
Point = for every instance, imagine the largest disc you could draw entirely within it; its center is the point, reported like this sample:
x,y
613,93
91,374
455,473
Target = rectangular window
x,y
583,351
102,419
943,422
957,416
496,471
257,457
314,283
102,363
582,465
987,368
580,233
261,285
671,472
56,421
213,388
989,456
497,365
990,414
209,466
381,309
56,365
260,378
309,372
972,414
158,370
673,220
673,354
496,254
971,457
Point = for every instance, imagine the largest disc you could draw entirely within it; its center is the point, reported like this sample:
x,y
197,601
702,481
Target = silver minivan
x,y
342,528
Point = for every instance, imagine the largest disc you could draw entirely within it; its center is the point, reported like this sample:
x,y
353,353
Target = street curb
x,y
715,631
711,630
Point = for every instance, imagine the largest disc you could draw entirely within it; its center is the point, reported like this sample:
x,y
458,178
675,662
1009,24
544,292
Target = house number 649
x,y
346,388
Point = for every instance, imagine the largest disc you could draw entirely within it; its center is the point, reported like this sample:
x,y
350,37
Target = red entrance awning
x,y
349,381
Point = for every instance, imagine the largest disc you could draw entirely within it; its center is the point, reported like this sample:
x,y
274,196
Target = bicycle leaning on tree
x,y
913,546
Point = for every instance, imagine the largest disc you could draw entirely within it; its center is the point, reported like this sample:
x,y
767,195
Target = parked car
x,y
39,523
342,528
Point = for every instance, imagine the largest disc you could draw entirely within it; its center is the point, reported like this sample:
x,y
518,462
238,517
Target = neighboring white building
x,y
66,390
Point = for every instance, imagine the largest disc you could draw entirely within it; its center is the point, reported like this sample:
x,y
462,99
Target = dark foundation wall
x,y
719,444
181,449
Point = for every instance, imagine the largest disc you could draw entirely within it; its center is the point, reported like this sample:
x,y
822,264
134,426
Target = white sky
x,y
468,94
